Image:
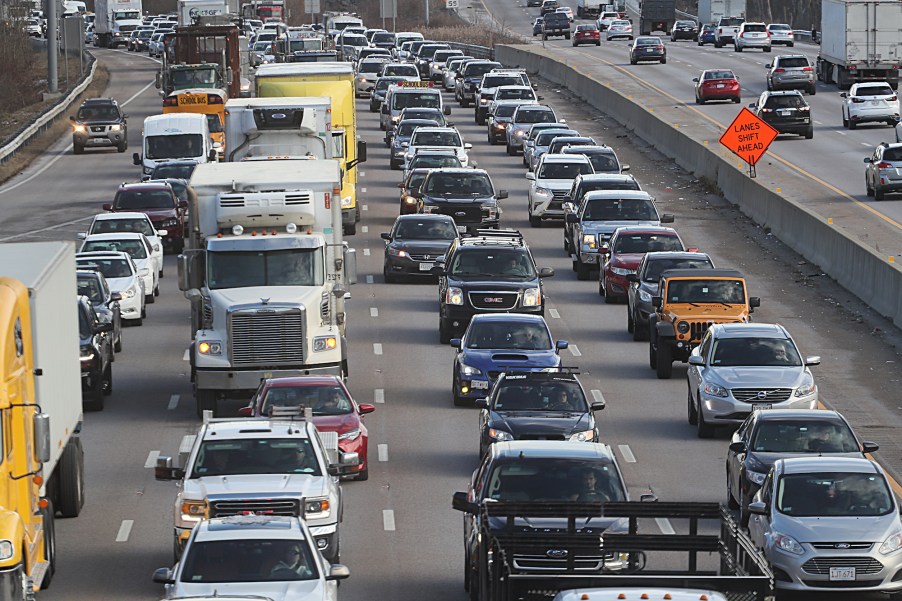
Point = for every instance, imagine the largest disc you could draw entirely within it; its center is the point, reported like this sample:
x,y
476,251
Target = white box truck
x,y
288,128
47,269
114,20
860,41
202,12
712,11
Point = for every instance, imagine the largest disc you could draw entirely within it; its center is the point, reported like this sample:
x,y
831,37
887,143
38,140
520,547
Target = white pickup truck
x,y
727,30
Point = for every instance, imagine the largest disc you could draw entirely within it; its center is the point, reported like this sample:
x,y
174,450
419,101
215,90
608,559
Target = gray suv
x,y
99,122
791,72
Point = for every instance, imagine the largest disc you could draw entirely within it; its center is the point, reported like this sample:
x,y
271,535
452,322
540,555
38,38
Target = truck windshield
x,y
188,78
556,480
295,267
626,209
248,560
255,456
174,146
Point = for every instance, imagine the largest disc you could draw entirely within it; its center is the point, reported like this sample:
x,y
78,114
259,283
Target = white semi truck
x,y
266,271
860,42
114,21
712,11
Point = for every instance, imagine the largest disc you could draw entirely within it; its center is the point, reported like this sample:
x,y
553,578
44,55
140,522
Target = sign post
x,y
748,137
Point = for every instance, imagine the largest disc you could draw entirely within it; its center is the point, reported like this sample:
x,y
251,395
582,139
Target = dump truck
x,y
201,57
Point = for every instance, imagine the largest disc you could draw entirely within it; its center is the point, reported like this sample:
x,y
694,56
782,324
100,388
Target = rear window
x,y
792,62
779,27
648,42
878,90
756,28
732,21
435,138
892,154
791,101
719,75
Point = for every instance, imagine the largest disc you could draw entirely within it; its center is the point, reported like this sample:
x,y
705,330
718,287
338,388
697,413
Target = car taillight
x,y
807,69
857,100
779,70
884,165
892,98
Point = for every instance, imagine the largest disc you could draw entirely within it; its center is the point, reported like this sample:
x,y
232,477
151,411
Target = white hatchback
x,y
122,276
870,103
138,248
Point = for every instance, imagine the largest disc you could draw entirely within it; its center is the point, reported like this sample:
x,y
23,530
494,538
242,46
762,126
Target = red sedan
x,y
624,253
587,34
716,84
334,410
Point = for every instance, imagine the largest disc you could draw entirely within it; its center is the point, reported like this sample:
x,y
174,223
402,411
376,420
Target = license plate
x,y
649,49
721,85
476,384
783,112
874,102
761,406
462,229
426,266
842,573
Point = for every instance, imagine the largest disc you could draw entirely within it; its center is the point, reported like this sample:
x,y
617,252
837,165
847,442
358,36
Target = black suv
x,y
492,271
537,405
96,355
93,285
99,122
787,112
555,24
467,195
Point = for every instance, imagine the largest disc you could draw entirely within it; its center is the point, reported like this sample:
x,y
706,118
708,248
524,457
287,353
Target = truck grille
x,y
242,201
462,214
229,507
494,301
863,565
267,336
698,329
761,395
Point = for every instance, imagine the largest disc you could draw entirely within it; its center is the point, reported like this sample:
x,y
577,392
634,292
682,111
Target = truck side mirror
x,y
666,218
460,503
546,272
136,159
41,425
754,301
657,301
163,470
361,151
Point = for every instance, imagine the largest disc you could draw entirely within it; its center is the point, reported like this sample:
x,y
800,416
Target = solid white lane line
x,y
379,395
366,252
554,314
374,312
388,520
596,394
664,525
377,348
364,228
369,279
383,452
627,453
151,459
124,530
574,350
173,402
186,356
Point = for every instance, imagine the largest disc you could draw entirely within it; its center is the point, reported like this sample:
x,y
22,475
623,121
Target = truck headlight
x,y
324,343
7,550
193,510
317,508
454,296
347,202
532,297
115,127
169,223
586,436
467,370
210,347
621,271
715,390
80,129
589,240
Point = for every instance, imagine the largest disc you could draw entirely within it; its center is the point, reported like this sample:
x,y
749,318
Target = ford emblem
x,y
556,553
279,115
460,214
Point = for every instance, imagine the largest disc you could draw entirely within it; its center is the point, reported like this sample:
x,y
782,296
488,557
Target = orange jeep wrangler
x,y
690,301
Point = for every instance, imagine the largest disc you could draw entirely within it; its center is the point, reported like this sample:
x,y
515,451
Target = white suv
x,y
551,182
869,103
752,35
437,137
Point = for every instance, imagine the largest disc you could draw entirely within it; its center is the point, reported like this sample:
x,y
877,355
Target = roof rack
x,y
506,233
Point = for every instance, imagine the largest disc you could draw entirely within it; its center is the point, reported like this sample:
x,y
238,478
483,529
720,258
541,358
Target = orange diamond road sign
x,y
748,136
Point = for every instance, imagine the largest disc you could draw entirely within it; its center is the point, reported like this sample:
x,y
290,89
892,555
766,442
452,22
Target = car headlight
x,y
324,343
363,80
586,436
169,223
468,370
80,129
589,240
807,387
542,192
193,510
210,347
396,118
350,435
621,271
144,271
410,200
892,544
520,133
644,296
755,477
786,543
7,550
115,127
483,101
347,202
715,390
130,292
317,507
532,297
499,435
454,296
397,252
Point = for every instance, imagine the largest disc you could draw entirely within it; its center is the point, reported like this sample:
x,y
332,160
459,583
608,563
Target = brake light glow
x,y
884,165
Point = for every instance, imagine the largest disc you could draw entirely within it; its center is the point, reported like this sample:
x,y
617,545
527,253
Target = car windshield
x,y
248,560
431,114
563,170
792,62
458,184
262,46
370,67
586,28
719,75
706,291
174,146
643,243
255,456
492,262
874,90
186,78
90,287
248,269
833,494
604,162
558,145
514,94
383,38
514,395
586,187
434,162
435,138
114,226
655,268
755,352
545,138
143,199
424,99
530,479
354,40
493,81
98,113
505,110
620,209
477,69
110,268
323,399
415,229
507,336
535,116
405,128
134,248
803,436
415,181
785,101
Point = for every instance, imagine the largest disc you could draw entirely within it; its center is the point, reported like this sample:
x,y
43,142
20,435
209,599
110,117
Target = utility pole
x,y
427,12
52,46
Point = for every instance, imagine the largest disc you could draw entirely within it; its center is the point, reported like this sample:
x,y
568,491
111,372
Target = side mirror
x,y
107,206
41,427
738,447
546,272
696,360
460,503
446,110
657,301
385,236
648,497
482,403
136,159
666,218
163,576
597,406
455,342
540,98
246,412
869,447
501,195
361,151
867,159
695,79
468,146
624,168
632,277
211,156
163,470
572,218
405,144
115,297
752,105
561,345
71,118
338,571
812,360
183,204
754,301
366,408
758,508
843,95
531,177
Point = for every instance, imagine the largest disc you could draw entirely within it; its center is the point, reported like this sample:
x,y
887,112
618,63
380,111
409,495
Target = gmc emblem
x,y
494,299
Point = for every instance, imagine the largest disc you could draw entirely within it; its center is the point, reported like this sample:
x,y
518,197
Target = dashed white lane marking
x,y
596,394
364,228
366,252
664,525
362,173
388,520
186,356
124,530
173,402
364,208
374,312
151,459
818,122
574,350
554,314
627,453
377,348
369,279
379,395
842,133
382,450
865,144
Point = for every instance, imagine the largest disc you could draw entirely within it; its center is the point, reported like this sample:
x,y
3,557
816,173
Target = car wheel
x,y
664,364
718,44
535,221
107,381
363,475
566,244
737,48
149,298
602,291
143,312
845,122
639,330
510,150
582,271
156,290
117,346
598,43
632,61
809,134
700,43
731,502
852,124
698,100
630,324
867,188
703,429
878,193
78,149
767,49
444,332
652,351
567,36
122,147
388,276
663,61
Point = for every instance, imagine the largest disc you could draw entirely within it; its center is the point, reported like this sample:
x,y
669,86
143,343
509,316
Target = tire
x,y
598,43
117,346
638,330
388,276
394,166
535,221
703,429
852,124
737,48
698,100
107,380
737,100
810,133
652,352
664,365
663,61
444,332
582,271
49,543
156,291
205,400
691,413
867,188
363,475
731,502
143,313
149,298
630,324
78,149
791,44
845,122
718,44
878,193
71,496
633,61
510,151
767,49
122,147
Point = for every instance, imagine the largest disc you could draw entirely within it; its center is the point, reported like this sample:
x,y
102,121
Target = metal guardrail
x,y
474,51
43,121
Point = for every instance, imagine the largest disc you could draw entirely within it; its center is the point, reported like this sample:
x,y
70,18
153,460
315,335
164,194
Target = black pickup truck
x,y
556,24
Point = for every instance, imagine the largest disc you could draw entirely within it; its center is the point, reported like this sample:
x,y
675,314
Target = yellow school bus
x,y
207,102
